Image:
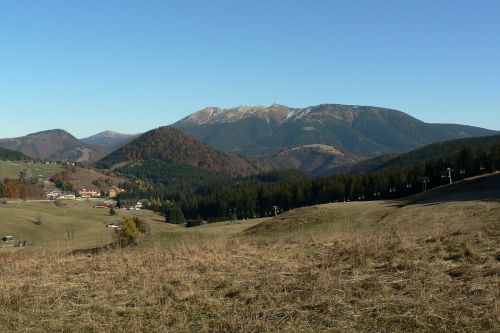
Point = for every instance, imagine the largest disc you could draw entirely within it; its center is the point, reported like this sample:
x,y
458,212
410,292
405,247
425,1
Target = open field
x,y
10,169
84,178
89,224
427,264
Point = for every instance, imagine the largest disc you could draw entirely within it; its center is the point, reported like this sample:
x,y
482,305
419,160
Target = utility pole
x,y
232,213
425,181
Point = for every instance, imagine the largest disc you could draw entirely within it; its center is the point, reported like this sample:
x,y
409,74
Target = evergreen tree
x,y
174,215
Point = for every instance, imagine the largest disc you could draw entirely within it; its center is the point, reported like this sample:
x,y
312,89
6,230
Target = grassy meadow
x,y
430,263
9,169
20,219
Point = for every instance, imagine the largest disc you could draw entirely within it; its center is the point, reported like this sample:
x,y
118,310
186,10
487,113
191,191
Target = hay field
x,y
426,264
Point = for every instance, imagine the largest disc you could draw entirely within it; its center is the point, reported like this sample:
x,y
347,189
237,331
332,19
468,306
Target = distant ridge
x,y
357,131
110,140
56,144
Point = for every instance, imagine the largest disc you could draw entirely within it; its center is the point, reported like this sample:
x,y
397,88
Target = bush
x,y
112,211
38,219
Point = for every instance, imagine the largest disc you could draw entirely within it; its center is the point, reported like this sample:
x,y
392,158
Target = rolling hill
x,y
169,146
368,266
55,145
358,131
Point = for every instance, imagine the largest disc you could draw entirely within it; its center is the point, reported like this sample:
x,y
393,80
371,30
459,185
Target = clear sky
x,y
130,66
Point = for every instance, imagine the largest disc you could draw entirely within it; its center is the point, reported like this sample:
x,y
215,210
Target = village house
x,y
114,191
84,193
52,195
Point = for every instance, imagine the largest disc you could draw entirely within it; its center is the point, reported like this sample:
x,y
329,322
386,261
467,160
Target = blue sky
x,y
130,66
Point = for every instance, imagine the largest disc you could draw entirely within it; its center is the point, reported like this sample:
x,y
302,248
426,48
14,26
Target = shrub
x,y
128,233
38,219
141,225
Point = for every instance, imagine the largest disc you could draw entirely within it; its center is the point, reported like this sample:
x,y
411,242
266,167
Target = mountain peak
x,y
110,140
56,144
108,133
212,115
56,131
361,131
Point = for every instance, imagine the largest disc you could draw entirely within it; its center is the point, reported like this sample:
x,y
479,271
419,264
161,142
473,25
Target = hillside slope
x,y
168,144
55,145
372,266
359,130
440,150
313,159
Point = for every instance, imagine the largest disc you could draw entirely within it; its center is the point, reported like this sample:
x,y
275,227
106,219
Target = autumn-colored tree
x,y
11,189
128,233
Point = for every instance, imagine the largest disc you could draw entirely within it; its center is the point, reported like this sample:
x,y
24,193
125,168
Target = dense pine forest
x,y
11,155
215,197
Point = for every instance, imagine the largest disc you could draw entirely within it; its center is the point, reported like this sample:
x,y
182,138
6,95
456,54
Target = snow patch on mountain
x,y
297,114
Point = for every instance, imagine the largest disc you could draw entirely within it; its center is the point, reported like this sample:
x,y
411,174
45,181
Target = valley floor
x,y
430,264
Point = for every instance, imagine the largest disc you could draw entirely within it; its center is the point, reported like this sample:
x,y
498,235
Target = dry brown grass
x,y
370,267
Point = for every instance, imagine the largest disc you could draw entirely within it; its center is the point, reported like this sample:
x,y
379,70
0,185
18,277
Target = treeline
x,y
11,155
257,196
439,149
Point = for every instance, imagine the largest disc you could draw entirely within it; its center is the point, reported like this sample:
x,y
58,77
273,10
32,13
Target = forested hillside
x,y
441,149
171,158
12,155
257,195
317,139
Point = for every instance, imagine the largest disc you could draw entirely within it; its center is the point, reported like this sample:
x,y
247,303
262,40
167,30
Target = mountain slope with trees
x,y
12,155
166,150
363,131
258,195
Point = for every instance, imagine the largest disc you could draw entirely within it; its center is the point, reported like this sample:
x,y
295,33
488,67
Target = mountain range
x,y
56,145
59,145
316,139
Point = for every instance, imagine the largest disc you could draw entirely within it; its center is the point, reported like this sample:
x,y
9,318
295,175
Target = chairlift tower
x,y
425,181
447,174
